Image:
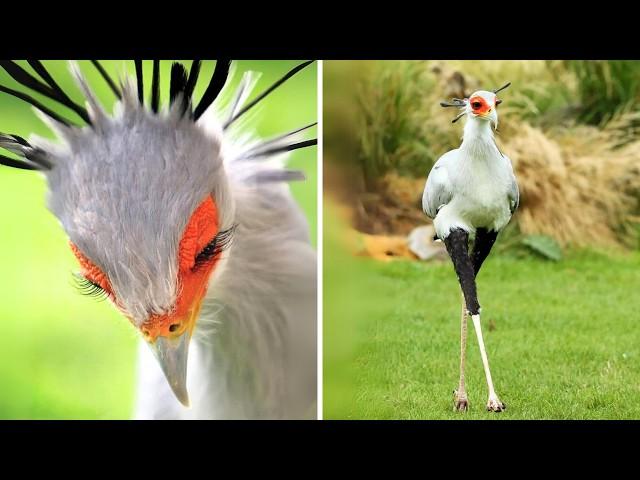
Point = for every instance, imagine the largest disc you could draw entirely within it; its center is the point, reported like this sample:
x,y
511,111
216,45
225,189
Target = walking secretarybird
x,y
184,220
470,194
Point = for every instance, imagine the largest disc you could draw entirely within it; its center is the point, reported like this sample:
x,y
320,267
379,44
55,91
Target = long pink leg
x,y
460,401
493,404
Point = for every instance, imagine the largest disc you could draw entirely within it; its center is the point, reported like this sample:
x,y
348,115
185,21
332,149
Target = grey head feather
x,y
96,112
124,193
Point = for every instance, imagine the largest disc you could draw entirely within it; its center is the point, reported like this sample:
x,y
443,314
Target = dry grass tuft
x,y
574,186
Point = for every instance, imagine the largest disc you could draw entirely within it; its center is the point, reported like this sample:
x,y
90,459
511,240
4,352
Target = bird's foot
x,y
495,405
460,402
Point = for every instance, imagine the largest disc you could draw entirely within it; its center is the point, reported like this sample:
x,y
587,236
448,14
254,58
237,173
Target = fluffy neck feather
x,y
478,140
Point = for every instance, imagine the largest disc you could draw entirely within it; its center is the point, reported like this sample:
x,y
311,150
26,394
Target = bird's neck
x,y
233,364
478,139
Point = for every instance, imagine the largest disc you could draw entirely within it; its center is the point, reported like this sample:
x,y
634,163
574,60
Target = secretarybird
x,y
183,218
471,193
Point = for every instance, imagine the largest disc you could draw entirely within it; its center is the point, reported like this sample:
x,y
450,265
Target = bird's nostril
x,y
173,327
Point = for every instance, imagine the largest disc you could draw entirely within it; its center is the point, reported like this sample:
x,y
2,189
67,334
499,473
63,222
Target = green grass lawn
x,y
565,342
63,355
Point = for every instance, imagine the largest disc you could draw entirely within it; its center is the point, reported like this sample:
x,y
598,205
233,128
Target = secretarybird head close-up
x,y
183,218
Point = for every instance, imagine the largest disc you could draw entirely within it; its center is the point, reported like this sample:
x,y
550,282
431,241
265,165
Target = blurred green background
x,y
62,355
559,290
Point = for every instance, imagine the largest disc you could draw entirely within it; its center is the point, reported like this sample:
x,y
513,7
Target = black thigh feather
x,y
481,247
457,243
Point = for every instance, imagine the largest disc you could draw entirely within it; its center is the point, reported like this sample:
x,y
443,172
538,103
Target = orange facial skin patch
x,y
91,271
192,279
479,105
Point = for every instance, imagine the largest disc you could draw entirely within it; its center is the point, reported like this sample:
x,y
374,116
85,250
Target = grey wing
x,y
437,191
514,192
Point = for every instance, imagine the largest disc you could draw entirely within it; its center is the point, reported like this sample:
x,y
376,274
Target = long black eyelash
x,y
89,288
219,243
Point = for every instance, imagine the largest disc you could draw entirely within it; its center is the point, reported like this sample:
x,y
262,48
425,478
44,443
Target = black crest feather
x,y
31,158
155,87
193,79
178,82
139,80
107,78
26,79
216,84
40,69
260,97
32,101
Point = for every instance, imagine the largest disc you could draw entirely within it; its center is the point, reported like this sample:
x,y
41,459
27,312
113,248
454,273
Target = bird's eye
x,y
498,101
476,105
220,242
208,251
89,288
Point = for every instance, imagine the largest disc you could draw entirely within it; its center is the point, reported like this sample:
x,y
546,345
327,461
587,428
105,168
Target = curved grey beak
x,y
172,354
